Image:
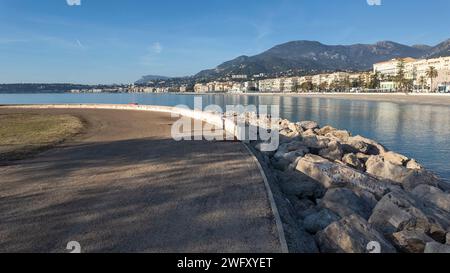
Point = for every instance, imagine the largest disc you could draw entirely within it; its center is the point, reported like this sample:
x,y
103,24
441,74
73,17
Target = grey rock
x,y
320,220
363,157
332,152
368,197
315,142
295,128
308,125
345,202
325,130
415,178
281,165
352,160
341,135
395,158
355,146
413,165
300,185
351,235
398,211
373,147
411,241
302,207
309,132
377,166
447,239
331,174
436,248
433,195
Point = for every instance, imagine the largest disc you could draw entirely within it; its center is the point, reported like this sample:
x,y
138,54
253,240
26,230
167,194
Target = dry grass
x,y
24,134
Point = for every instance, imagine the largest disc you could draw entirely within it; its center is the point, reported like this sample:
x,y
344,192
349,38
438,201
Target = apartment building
x,y
200,88
290,84
414,70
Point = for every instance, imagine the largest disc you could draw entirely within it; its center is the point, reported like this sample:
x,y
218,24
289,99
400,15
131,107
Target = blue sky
x,y
117,41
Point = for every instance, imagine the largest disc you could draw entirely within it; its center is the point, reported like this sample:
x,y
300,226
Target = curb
x,y
276,214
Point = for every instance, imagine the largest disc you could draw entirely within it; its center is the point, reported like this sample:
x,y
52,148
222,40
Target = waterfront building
x,y
290,84
415,70
266,85
182,88
200,88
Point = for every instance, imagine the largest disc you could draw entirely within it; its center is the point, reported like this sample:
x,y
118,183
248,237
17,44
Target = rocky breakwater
x,y
349,193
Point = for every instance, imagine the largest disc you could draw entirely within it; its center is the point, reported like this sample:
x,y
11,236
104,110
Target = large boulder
x,y
332,174
413,165
351,235
398,211
299,185
409,179
280,164
415,178
316,222
353,161
344,202
315,142
395,158
325,130
341,135
437,248
332,152
355,146
434,196
295,128
448,238
378,166
308,125
411,241
373,147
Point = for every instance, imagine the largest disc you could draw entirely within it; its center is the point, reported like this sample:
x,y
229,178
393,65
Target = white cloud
x,y
80,44
156,48
374,2
73,2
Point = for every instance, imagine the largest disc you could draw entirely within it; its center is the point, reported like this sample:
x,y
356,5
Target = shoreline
x,y
439,99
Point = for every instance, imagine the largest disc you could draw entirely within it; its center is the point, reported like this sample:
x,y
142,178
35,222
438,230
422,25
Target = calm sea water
x,y
417,130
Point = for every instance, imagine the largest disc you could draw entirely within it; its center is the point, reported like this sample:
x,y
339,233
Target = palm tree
x,y
431,74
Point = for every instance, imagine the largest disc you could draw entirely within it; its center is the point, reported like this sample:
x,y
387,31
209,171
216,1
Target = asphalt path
x,y
124,185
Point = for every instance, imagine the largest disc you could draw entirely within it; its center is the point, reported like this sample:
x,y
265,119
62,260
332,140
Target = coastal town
x,y
396,75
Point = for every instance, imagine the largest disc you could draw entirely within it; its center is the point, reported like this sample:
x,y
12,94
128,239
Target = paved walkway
x,y
126,186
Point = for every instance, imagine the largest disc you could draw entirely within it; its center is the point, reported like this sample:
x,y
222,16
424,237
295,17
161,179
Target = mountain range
x,y
312,56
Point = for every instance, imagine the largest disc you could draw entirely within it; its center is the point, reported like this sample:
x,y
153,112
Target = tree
x,y
374,80
431,74
422,82
323,86
400,78
306,86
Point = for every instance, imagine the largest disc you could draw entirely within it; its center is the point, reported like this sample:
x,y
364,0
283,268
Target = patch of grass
x,y
24,134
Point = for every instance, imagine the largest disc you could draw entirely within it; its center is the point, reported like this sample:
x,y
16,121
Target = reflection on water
x,y
418,131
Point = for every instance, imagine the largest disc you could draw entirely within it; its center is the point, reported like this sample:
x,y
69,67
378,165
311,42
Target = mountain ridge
x,y
305,56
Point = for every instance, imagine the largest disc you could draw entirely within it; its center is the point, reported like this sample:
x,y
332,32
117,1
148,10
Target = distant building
x,y
183,88
239,77
200,88
290,84
415,70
